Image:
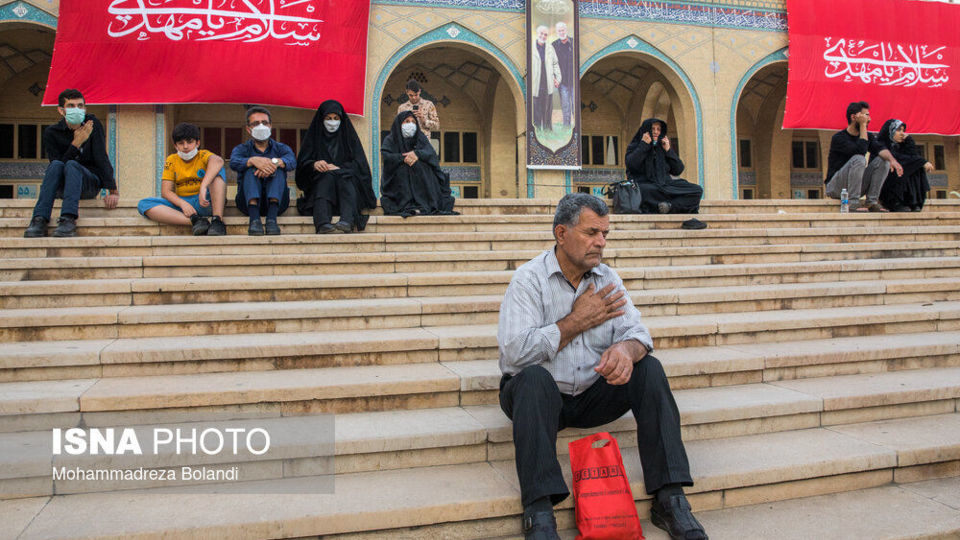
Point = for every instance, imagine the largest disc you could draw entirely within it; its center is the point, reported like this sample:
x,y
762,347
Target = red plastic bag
x,y
601,492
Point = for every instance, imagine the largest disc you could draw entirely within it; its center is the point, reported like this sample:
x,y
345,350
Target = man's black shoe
x,y
37,228
217,228
326,228
693,224
256,228
272,228
200,225
343,227
675,517
540,526
66,227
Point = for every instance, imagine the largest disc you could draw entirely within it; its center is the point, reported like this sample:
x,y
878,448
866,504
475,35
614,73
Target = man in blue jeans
x,y
79,167
262,164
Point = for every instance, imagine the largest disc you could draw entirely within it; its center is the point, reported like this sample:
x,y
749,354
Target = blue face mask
x,y
75,115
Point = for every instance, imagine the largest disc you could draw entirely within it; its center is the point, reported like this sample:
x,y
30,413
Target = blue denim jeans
x,y
71,181
262,189
566,103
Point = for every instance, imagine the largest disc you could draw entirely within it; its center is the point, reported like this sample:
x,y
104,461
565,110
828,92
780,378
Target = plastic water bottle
x,y
844,201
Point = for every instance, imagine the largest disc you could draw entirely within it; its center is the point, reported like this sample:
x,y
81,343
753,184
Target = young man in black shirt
x,y
847,165
79,168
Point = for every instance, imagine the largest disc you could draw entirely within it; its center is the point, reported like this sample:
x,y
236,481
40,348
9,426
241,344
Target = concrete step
x,y
429,437
715,338
939,273
135,225
37,285
23,208
927,509
729,474
78,266
484,241
432,384
705,312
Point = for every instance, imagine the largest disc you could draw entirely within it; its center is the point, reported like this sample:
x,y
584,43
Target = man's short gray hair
x,y
570,206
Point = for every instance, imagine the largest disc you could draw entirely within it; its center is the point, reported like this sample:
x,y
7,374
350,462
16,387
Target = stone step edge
x,y
142,285
439,499
30,354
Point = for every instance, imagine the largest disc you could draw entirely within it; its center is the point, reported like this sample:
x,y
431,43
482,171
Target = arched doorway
x,y
477,107
617,93
26,50
762,148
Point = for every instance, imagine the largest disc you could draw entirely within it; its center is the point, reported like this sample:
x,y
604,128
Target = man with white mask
x,y
79,167
192,187
262,164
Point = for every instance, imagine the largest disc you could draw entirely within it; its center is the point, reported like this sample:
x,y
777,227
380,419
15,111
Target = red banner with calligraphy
x,y
271,52
902,57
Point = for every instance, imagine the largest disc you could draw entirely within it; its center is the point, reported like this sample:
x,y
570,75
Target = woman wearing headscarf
x,y
412,180
651,160
333,172
908,192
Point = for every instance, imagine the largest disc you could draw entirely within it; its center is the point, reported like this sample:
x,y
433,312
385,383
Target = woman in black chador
x,y
908,192
412,180
650,162
333,172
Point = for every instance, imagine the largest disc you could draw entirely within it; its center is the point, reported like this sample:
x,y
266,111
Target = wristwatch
x,y
275,161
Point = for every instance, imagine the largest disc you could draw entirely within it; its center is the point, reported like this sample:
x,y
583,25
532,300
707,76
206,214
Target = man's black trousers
x,y
538,410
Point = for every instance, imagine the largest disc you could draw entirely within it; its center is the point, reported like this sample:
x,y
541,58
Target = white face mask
x,y
409,129
187,156
331,125
260,133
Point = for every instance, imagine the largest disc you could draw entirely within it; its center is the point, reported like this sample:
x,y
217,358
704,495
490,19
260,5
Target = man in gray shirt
x,y
574,353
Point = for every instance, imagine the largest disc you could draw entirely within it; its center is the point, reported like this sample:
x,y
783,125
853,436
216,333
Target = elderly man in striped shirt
x,y
574,353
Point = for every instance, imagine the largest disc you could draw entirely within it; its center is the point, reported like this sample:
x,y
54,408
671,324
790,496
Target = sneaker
x,y
66,227
200,225
255,228
217,228
37,228
272,228
664,207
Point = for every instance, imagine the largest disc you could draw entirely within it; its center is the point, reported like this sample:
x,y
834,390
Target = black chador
x,y
421,188
343,192
650,168
907,192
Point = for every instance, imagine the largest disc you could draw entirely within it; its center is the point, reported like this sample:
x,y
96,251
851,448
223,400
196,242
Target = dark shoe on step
x,y
540,526
343,227
272,228
664,207
675,517
200,225
66,227
326,228
37,228
693,224
217,227
255,228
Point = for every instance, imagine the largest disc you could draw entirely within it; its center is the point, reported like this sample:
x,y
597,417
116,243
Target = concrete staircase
x,y
815,359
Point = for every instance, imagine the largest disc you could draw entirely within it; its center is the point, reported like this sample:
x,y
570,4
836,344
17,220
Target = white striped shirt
x,y
539,296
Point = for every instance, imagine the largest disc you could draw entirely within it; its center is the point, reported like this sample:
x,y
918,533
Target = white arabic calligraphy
x,y
885,64
214,20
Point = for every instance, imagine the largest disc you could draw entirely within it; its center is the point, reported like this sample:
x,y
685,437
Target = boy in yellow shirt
x,y
193,186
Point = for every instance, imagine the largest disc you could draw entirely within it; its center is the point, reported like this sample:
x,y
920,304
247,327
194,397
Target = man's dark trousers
x,y
538,410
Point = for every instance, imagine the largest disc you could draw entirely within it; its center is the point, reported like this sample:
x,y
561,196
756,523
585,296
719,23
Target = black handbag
x,y
626,197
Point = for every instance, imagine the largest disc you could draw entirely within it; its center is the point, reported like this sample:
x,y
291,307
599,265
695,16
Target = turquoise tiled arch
x,y
779,56
450,33
634,43
23,12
